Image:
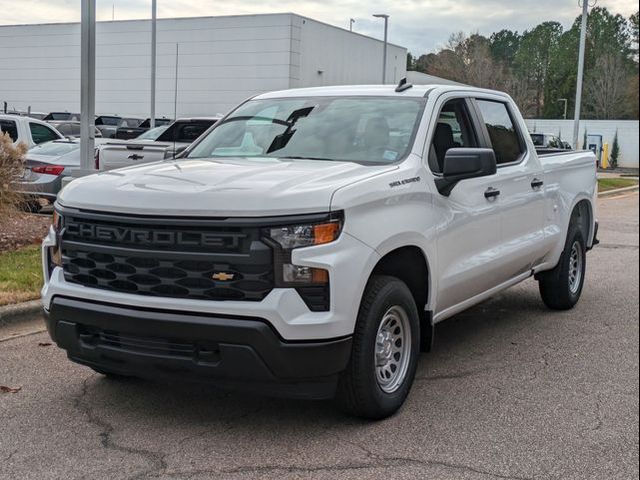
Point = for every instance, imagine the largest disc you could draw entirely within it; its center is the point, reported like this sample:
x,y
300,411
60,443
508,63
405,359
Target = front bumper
x,y
236,352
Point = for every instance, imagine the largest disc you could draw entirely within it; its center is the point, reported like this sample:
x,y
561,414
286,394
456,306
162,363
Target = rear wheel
x,y
561,287
386,344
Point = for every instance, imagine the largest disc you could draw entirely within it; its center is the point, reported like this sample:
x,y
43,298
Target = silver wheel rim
x,y
575,267
393,349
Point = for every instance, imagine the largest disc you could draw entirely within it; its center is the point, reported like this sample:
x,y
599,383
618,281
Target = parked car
x,y
45,166
177,137
548,141
71,128
109,124
308,243
127,133
27,130
56,116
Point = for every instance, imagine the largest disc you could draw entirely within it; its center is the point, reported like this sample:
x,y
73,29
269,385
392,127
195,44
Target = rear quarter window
x,y
9,126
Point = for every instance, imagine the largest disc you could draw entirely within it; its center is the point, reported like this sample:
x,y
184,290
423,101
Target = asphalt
x,y
511,391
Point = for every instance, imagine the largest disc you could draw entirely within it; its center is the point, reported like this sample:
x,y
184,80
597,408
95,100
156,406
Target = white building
x,y
221,62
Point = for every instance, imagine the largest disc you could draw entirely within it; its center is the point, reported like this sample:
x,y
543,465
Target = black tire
x,y
359,391
558,290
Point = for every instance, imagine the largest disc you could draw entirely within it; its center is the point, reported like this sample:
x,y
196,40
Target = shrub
x,y
11,167
615,152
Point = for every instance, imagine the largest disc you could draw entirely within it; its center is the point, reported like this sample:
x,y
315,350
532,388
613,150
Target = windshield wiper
x,y
296,157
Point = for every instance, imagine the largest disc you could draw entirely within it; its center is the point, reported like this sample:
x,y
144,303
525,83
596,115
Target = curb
x,y
10,314
617,191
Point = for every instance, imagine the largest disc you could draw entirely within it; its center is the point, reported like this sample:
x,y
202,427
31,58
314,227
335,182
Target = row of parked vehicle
x,y
55,154
107,126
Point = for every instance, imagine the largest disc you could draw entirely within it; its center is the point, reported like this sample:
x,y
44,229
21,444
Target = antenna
x,y
403,85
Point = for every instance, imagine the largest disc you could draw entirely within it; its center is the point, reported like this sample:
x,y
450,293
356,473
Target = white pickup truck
x,y
177,137
27,130
308,243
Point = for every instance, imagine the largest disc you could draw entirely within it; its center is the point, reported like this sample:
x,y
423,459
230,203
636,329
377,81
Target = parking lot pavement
x,y
512,391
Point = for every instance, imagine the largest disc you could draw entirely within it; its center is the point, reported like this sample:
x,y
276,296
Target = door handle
x,y
491,193
536,183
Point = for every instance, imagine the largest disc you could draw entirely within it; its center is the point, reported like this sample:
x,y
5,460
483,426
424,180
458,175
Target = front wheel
x,y
384,357
561,287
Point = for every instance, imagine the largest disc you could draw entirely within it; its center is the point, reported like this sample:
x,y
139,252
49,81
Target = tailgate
x,y
129,154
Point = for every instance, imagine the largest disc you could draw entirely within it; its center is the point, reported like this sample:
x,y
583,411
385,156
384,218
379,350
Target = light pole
x,y
152,112
351,22
564,100
583,40
384,51
87,85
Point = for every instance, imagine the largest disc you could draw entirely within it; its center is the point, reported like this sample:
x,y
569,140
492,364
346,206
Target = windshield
x,y
153,133
376,130
111,121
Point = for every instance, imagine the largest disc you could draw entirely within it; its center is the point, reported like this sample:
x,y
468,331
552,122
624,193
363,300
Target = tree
x,y
615,152
606,88
633,32
534,57
504,46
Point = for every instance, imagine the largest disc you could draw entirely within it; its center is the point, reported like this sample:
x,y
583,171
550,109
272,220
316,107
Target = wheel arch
x,y
409,264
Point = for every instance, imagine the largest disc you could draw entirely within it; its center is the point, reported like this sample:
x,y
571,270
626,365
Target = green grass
x,y
20,275
605,184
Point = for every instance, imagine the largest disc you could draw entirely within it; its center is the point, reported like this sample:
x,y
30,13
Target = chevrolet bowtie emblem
x,y
222,276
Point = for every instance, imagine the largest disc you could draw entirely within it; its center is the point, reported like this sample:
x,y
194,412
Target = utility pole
x,y
565,101
152,113
384,51
351,22
87,85
583,41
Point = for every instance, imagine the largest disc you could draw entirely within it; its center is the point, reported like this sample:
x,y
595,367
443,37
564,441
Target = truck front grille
x,y
166,258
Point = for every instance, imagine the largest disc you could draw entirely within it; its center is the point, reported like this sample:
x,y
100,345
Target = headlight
x,y
289,237
297,236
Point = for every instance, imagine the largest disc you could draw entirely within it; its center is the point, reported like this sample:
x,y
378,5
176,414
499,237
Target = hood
x,y
212,187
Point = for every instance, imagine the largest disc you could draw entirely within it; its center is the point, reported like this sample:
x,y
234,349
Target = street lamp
x,y
564,100
351,22
583,40
384,51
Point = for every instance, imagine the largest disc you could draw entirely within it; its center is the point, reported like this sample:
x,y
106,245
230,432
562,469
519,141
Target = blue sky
x,y
420,25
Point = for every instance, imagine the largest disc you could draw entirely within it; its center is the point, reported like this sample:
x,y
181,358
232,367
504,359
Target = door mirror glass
x,y
464,163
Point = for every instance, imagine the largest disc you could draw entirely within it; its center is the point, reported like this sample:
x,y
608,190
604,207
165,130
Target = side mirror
x,y
463,163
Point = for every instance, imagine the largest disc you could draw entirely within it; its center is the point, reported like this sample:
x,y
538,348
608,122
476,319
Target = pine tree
x,y
615,152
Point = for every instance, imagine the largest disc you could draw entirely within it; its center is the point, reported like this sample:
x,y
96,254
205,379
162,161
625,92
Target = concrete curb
x,y
18,312
618,191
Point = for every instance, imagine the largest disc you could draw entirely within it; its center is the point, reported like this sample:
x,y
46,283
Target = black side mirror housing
x,y
464,163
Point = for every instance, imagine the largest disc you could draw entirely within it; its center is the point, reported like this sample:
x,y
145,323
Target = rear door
x,y
520,182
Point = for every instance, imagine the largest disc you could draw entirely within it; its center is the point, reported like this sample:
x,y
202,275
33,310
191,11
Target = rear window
x,y
111,121
9,126
185,132
503,133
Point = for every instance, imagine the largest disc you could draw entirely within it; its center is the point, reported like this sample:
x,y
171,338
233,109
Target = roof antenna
x,y
403,85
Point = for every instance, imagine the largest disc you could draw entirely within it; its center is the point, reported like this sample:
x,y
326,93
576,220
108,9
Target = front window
x,y
41,134
370,130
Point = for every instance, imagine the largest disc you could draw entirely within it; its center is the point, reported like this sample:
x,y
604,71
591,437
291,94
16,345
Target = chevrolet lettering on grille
x,y
141,236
